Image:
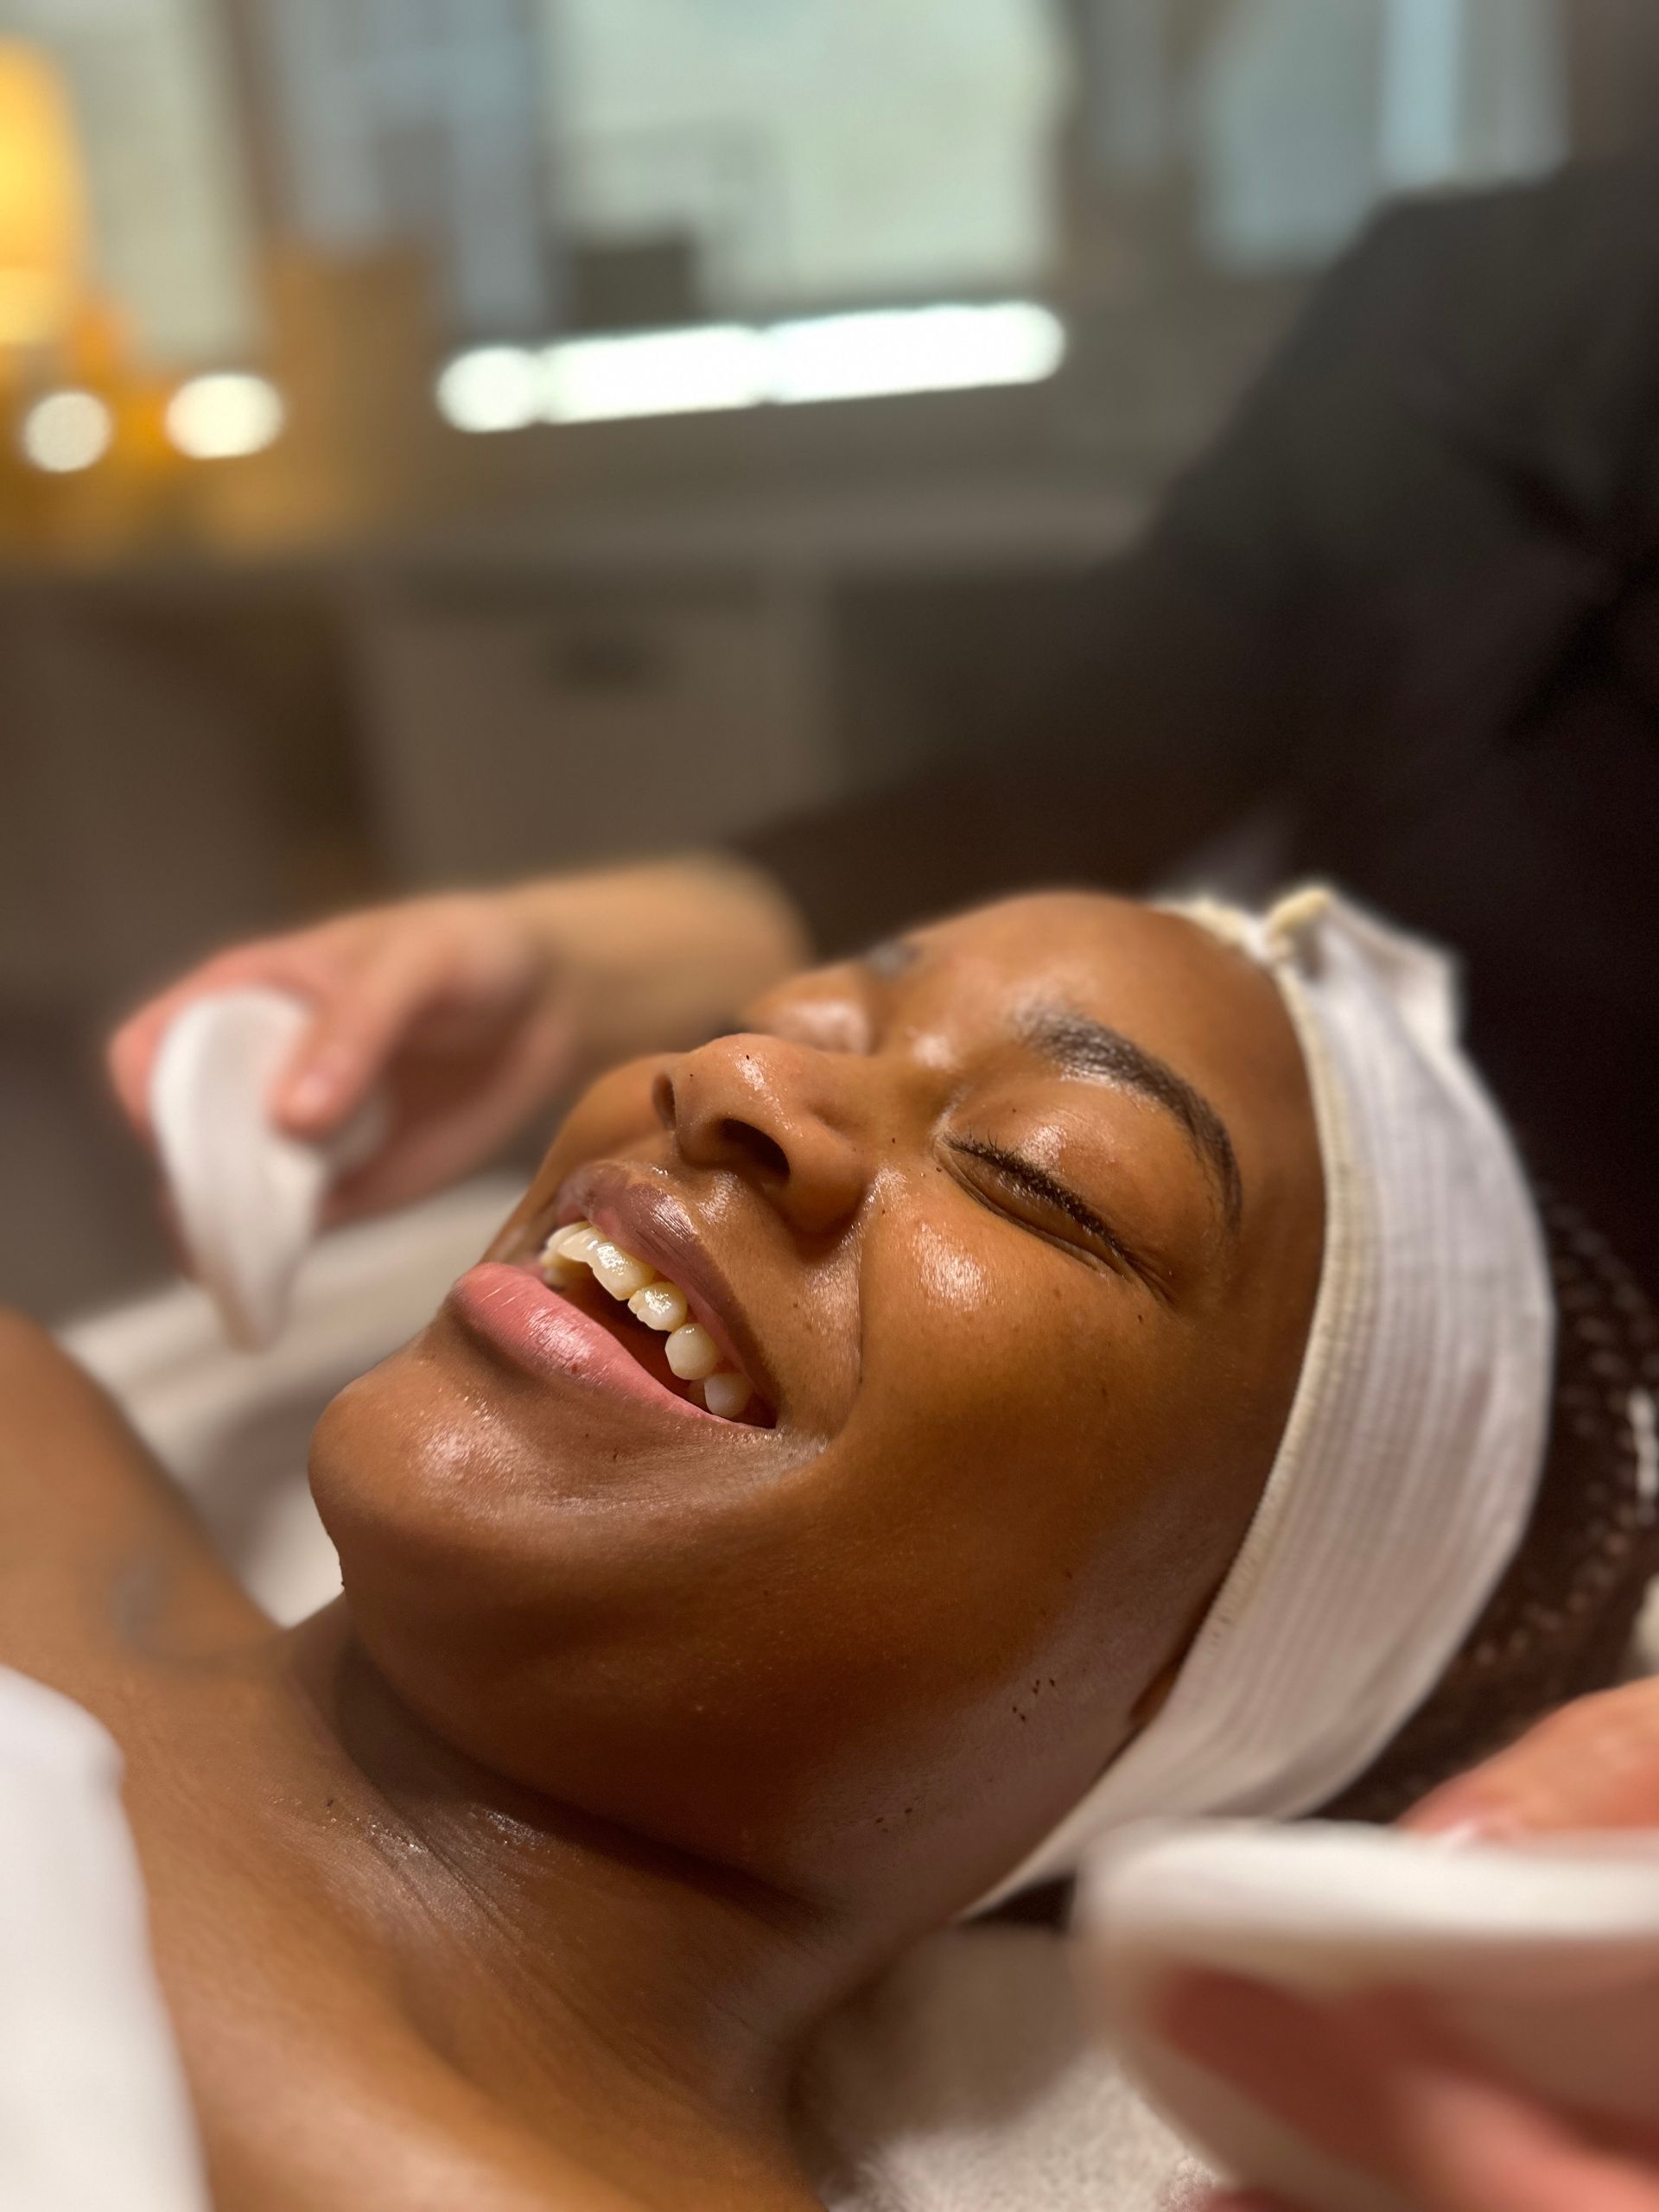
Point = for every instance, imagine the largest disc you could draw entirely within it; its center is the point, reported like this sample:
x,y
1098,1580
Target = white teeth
x,y
693,1355
576,1243
619,1272
692,1352
558,1267
659,1306
727,1394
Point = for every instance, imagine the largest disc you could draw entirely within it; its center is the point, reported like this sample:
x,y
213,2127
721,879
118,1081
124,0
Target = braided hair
x,y
1562,1620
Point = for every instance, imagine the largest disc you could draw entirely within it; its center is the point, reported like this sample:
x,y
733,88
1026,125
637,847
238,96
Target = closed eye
x,y
1035,1183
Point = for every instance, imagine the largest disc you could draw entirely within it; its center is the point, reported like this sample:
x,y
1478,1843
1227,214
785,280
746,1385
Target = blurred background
x,y
445,438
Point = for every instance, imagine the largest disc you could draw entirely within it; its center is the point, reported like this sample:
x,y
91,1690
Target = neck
x,y
560,1961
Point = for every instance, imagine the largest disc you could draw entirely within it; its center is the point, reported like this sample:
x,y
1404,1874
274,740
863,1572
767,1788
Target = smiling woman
x,y
887,1445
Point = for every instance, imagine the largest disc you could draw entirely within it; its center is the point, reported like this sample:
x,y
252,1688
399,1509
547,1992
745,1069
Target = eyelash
x,y
1036,1183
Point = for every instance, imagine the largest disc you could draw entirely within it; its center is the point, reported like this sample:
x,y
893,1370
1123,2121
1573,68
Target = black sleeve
x,y
1366,584
1148,716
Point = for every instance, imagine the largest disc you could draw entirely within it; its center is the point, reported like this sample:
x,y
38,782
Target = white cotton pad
x,y
1542,1958
248,1197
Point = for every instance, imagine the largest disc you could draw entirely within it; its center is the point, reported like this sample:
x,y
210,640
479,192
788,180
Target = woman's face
x,y
1015,1227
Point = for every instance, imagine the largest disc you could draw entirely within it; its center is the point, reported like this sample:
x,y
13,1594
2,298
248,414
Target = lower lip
x,y
541,1331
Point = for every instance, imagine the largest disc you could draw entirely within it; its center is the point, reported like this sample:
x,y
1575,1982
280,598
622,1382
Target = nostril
x,y
743,1139
662,1100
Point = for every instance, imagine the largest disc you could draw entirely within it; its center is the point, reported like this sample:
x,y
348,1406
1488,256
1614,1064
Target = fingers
x,y
1372,2083
358,1026
447,1122
130,1056
1463,2145
454,1004
291,964
1594,1764
367,975
1282,2053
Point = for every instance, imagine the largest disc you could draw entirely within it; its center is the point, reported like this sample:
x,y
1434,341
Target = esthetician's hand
x,y
1374,2082
471,1011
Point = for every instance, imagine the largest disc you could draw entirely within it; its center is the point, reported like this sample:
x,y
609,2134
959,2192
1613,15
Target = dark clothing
x,y
1415,589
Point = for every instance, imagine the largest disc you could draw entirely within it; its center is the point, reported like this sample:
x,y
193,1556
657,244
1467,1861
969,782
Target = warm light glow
x,y
695,371
495,388
65,431
224,417
914,349
42,222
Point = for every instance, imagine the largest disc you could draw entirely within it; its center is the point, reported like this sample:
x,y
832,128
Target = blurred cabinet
x,y
136,815
523,727
191,754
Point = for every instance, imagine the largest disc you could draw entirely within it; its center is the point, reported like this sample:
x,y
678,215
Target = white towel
x,y
93,2111
968,2079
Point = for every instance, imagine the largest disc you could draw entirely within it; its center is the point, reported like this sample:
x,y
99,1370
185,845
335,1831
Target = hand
x,y
1594,1764
1373,2083
470,1012
1371,2080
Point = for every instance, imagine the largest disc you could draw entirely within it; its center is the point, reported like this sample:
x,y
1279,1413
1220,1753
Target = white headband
x,y
1406,1474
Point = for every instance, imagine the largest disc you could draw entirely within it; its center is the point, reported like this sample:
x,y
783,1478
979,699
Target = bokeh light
x,y
492,388
67,431
224,417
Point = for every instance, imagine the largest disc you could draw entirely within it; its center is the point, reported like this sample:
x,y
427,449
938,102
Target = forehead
x,y
1114,959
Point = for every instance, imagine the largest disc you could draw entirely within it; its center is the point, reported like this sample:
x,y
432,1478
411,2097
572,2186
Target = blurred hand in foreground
x,y
470,1012
1374,2082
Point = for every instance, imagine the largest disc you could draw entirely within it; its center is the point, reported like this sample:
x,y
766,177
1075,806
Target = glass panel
x,y
811,151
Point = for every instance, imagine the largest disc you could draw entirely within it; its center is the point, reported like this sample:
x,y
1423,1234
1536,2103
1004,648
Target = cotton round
x,y
248,1197
1540,1956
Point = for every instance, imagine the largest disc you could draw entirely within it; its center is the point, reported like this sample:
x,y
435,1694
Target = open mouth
x,y
651,1318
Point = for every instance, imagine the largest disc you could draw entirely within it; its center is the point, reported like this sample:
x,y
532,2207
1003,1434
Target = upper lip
x,y
631,1207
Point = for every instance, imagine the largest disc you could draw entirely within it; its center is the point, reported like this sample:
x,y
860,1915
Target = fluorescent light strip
x,y
913,349
722,366
695,371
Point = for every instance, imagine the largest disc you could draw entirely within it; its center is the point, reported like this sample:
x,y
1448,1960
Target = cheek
x,y
1030,1429
982,1331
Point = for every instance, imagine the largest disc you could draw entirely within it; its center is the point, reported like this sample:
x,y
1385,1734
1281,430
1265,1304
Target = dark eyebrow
x,y
1078,1044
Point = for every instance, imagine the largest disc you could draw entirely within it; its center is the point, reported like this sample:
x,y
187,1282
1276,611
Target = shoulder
x,y
63,1441
94,1535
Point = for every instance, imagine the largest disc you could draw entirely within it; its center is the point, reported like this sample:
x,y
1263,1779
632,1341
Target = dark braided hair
x,y
1562,1620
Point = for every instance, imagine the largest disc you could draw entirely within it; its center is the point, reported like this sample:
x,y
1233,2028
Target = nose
x,y
778,1115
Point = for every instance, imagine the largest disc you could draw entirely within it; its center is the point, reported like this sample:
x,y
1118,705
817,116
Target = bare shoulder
x,y
92,1527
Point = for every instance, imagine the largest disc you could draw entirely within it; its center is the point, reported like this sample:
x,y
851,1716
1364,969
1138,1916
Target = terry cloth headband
x,y
1405,1477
